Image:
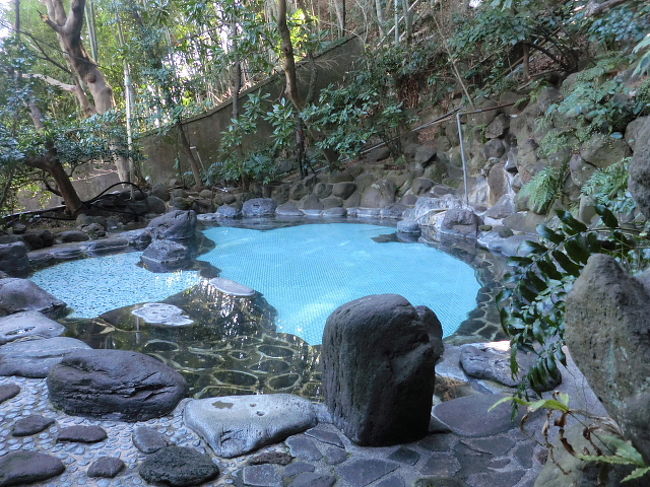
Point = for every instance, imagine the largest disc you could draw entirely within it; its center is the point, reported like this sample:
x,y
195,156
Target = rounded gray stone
x,y
148,440
30,425
28,324
177,466
26,467
35,358
82,434
162,314
106,467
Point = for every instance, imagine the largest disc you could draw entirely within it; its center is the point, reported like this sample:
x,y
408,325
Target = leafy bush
x,y
608,187
532,303
544,188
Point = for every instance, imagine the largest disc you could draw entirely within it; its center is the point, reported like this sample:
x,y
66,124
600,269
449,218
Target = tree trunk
x,y
68,29
380,18
50,163
291,88
236,69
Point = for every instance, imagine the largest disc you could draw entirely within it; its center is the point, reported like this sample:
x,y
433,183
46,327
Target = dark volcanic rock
x,y
38,239
258,207
28,324
114,384
607,334
378,369
72,236
14,260
35,358
175,225
148,440
7,391
106,467
30,425
26,467
82,434
176,466
166,256
23,295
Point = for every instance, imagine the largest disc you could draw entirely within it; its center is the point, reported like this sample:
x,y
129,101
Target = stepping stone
x,y
148,440
303,448
7,391
469,415
393,481
26,467
405,455
30,425
162,314
35,358
298,468
325,436
483,361
495,446
28,324
261,476
234,425
310,479
231,287
490,479
441,464
177,467
363,472
272,457
335,456
106,467
439,482
82,434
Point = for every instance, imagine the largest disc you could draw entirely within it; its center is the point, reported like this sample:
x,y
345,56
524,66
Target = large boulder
x,y
114,384
166,256
460,222
258,207
23,295
38,239
344,189
28,324
606,331
156,204
235,425
175,225
379,354
35,358
14,260
380,194
639,182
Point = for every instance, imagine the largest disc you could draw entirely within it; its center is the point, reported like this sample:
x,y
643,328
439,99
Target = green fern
x,y
544,188
608,187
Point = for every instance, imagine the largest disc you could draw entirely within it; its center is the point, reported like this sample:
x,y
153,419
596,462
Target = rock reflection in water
x,y
232,347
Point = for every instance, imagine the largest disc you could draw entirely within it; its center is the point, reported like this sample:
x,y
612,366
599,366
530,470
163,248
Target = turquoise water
x,y
307,271
97,285
304,271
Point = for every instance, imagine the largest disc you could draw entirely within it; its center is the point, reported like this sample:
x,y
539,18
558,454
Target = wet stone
x,y
441,465
311,479
439,482
490,479
30,425
335,456
298,468
524,454
261,476
469,416
82,434
405,455
496,446
394,481
177,467
303,448
148,440
25,467
272,457
325,436
7,391
363,472
438,442
106,467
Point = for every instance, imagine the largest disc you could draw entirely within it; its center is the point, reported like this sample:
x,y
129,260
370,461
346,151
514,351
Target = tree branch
x,y
75,20
51,81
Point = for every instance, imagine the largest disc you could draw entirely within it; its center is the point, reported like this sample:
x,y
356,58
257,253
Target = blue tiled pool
x,y
304,271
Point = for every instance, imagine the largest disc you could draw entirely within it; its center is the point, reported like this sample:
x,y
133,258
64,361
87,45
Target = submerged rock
x,y
35,358
114,384
177,467
378,357
28,324
162,314
235,425
23,295
26,467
